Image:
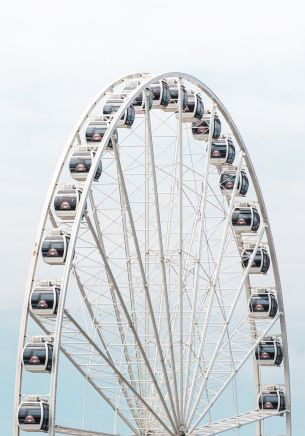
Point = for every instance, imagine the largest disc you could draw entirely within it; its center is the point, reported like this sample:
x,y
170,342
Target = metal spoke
x,y
115,305
78,432
212,287
201,234
89,379
149,144
130,283
127,315
236,370
239,290
145,285
181,266
118,373
233,422
103,341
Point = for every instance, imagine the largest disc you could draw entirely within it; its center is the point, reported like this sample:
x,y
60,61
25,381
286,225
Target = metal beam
x,y
149,143
233,422
212,287
197,268
116,309
90,380
129,320
78,432
145,286
181,279
218,345
117,372
239,366
103,341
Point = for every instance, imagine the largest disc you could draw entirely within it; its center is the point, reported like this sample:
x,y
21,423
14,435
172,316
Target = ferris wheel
x,y
153,303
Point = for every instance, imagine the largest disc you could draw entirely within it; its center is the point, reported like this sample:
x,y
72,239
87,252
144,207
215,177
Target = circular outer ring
x,y
147,80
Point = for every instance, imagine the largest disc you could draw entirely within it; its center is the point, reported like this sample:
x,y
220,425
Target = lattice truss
x,y
156,316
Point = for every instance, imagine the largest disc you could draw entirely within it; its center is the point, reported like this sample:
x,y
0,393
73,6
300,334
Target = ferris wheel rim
x,y
86,190
41,224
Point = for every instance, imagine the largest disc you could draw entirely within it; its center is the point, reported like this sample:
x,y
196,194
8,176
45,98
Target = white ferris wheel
x,y
153,289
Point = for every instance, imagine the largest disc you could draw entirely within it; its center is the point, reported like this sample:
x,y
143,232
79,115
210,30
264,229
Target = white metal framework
x,y
148,301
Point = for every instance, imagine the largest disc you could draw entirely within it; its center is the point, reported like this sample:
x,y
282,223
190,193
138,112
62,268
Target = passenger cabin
x,y
113,104
227,181
54,247
272,400
139,101
263,304
173,104
161,94
37,355
245,218
66,201
269,352
194,108
96,130
44,298
80,164
201,129
260,263
222,151
33,416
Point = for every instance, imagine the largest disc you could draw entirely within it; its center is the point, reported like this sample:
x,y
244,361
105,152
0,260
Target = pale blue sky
x,y
56,55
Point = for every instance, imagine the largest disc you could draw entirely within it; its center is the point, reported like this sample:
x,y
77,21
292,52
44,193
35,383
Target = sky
x,y
55,56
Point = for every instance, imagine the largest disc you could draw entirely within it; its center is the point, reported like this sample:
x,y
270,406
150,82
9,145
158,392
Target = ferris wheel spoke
x,y
131,286
233,372
197,263
147,225
149,143
198,260
113,296
192,165
130,323
200,218
209,279
146,290
181,253
221,206
233,422
232,364
79,432
116,370
212,287
194,226
97,326
169,226
171,198
224,330
72,357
